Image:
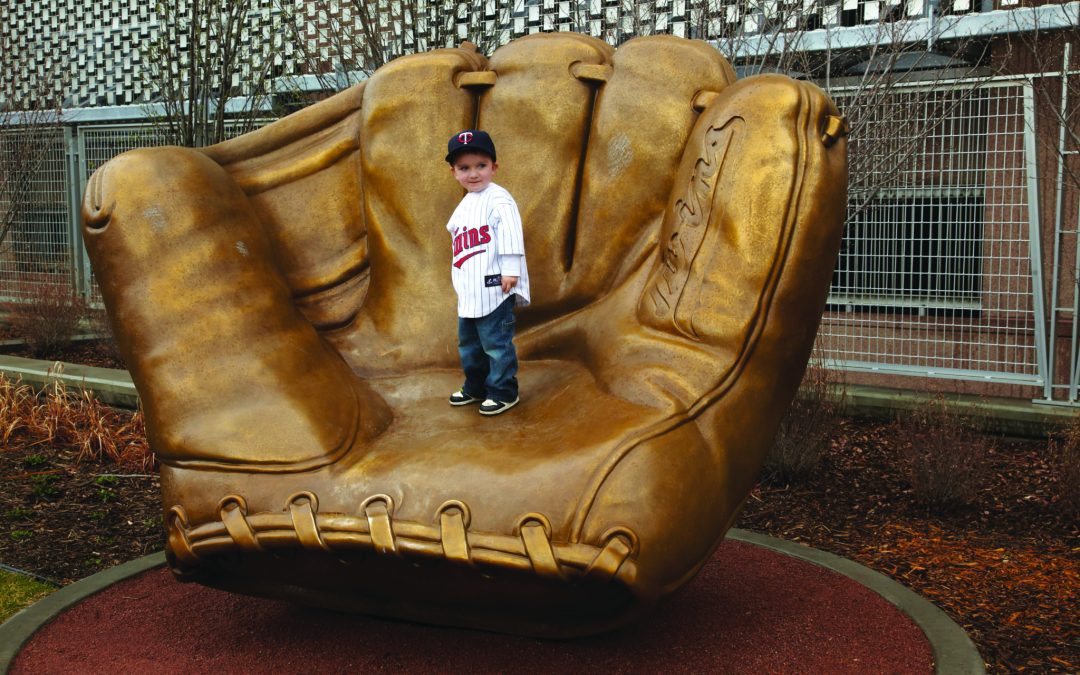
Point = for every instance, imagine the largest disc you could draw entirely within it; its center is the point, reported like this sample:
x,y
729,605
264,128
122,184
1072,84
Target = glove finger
x,y
538,115
748,245
230,374
321,252
411,107
642,118
758,197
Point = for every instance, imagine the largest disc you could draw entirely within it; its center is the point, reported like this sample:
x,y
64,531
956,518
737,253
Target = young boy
x,y
489,275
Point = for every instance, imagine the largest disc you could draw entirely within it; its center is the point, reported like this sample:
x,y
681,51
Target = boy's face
x,y
473,170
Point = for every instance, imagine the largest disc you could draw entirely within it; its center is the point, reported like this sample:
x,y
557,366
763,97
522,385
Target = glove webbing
x,y
301,523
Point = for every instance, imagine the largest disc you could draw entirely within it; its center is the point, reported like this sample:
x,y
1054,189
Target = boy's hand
x,y
508,283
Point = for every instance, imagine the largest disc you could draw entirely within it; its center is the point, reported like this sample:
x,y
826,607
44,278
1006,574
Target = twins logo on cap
x,y
473,140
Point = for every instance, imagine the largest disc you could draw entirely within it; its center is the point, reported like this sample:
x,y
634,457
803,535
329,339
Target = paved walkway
x,y
750,610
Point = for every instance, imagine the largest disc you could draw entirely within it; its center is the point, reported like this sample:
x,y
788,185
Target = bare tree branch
x,y
29,127
347,40
213,71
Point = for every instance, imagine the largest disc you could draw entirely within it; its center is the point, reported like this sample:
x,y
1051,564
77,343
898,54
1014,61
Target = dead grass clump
x,y
49,319
808,427
72,420
1064,451
943,454
17,400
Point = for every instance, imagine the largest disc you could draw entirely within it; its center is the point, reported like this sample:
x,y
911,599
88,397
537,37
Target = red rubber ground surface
x,y
750,610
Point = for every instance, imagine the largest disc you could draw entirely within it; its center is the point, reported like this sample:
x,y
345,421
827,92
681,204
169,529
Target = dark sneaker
x,y
461,398
490,407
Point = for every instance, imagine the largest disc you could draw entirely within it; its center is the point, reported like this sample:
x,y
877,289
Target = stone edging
x,y
17,631
109,385
954,653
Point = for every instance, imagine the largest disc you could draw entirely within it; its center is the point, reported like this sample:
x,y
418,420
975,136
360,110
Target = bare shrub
x,y
48,319
1064,450
65,419
942,454
808,427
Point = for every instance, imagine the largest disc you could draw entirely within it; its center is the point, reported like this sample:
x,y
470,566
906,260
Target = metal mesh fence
x,y
934,276
37,248
42,245
100,144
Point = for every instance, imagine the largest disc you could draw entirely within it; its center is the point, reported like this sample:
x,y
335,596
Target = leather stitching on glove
x,y
300,524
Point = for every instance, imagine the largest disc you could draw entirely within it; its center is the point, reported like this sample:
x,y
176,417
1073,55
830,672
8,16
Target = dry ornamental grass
x,y
942,454
59,418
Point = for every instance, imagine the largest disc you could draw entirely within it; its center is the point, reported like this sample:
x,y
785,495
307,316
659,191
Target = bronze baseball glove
x,y
284,303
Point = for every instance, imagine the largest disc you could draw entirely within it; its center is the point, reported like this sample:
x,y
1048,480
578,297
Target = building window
x,y
914,239
918,250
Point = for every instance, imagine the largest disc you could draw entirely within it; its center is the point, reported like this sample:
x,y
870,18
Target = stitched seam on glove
x,y
339,532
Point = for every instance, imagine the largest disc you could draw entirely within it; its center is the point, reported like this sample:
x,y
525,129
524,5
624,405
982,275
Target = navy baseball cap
x,y
472,140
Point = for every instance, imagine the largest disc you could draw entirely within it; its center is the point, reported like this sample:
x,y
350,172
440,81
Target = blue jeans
x,y
487,354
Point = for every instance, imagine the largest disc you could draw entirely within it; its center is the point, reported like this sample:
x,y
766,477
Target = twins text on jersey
x,y
488,243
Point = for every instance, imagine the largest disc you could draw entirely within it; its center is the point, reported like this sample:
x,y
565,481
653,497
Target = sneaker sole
x,y
501,410
472,400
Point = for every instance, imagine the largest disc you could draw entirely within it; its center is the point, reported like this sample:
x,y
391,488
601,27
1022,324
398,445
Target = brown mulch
x,y
1006,568
64,520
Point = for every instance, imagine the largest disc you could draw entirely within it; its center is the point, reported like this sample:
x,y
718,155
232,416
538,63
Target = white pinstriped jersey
x,y
488,242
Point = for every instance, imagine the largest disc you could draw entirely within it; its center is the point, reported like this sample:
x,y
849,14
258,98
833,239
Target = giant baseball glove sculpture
x,y
283,302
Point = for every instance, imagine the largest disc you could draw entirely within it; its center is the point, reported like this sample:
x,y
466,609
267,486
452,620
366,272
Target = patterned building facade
x,y
102,45
99,44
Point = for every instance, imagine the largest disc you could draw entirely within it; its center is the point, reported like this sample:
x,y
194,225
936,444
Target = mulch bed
x,y
63,520
1006,568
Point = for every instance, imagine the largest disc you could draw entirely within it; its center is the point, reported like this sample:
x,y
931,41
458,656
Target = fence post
x,y
1043,342
80,264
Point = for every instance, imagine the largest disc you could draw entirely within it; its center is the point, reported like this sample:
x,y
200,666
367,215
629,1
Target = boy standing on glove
x,y
489,275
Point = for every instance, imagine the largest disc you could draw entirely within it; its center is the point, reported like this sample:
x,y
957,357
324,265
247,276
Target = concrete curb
x,y
1012,416
954,653
111,386
17,631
